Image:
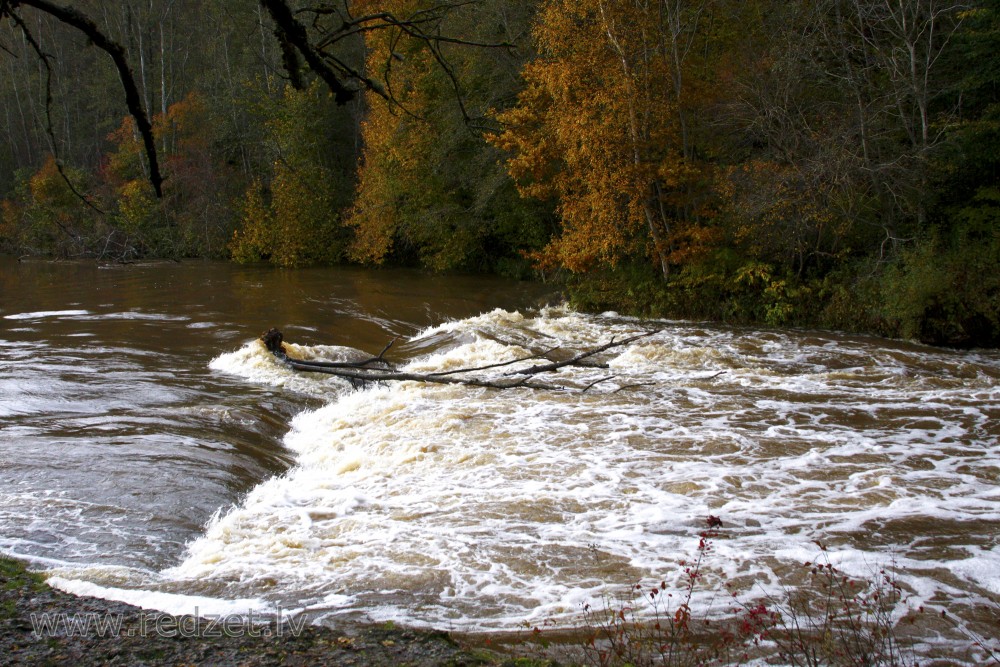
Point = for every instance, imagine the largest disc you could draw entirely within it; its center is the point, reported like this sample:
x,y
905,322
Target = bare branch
x,y
49,131
133,99
597,382
295,33
379,375
364,372
574,361
318,51
497,365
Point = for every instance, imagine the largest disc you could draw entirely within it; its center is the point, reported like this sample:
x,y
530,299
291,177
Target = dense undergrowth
x,y
937,291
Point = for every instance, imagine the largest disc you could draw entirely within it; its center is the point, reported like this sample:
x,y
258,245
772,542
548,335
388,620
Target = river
x,y
152,451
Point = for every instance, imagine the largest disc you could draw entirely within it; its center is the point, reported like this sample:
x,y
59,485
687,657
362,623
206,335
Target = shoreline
x,y
40,625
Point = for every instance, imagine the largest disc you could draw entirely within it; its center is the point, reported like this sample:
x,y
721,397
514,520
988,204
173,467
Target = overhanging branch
x,y
334,24
295,34
133,100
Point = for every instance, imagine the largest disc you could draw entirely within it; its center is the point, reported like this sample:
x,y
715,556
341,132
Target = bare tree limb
x,y
291,31
133,100
574,361
597,382
53,144
383,375
334,24
364,372
497,365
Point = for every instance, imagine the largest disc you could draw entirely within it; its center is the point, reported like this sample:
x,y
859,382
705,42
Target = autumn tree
x,y
291,214
141,42
47,217
193,216
943,286
847,104
431,190
972,167
604,127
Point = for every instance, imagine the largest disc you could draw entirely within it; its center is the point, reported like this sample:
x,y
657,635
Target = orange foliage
x,y
391,167
186,127
374,215
598,127
184,133
48,189
10,218
125,163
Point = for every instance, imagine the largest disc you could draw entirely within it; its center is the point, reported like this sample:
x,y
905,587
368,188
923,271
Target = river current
x,y
151,450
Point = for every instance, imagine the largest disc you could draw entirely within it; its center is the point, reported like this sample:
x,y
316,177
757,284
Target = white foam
x,y
982,568
170,603
471,508
46,313
254,363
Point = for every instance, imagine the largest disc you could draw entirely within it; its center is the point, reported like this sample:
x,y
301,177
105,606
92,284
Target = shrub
x,y
830,619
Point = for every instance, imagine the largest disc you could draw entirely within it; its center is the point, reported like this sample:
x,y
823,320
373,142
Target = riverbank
x,y
42,626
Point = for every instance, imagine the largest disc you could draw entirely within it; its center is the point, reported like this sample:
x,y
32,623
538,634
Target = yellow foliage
x,y
374,215
136,205
125,162
777,213
10,219
597,127
292,218
49,190
254,236
305,217
186,128
393,149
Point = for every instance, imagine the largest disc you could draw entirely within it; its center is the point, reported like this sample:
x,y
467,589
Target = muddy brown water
x,y
148,446
117,442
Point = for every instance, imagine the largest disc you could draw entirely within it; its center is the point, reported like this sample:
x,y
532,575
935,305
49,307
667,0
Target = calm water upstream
x,y
152,451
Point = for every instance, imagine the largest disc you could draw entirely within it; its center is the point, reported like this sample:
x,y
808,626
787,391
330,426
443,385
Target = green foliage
x,y
256,234
14,577
431,190
305,214
978,50
724,287
45,215
292,218
846,195
946,290
768,162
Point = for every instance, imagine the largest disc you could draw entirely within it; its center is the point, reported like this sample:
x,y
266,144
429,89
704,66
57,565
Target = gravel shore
x,y
90,631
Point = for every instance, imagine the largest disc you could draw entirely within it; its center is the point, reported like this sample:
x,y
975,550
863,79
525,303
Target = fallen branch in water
x,y
377,369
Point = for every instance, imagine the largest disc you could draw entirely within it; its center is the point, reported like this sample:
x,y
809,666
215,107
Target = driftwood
x,y
377,369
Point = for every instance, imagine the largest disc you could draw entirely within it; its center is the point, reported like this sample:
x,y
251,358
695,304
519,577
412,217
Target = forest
x,y
823,163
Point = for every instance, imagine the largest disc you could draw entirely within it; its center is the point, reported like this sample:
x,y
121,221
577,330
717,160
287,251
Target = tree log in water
x,y
377,369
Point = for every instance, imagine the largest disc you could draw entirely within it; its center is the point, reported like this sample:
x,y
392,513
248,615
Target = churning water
x,y
174,461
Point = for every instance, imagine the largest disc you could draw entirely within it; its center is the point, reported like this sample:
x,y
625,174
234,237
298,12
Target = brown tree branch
x,y
496,365
361,372
384,375
574,361
133,100
296,35
423,25
49,131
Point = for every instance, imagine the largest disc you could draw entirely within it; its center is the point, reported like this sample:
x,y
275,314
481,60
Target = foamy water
x,y
479,509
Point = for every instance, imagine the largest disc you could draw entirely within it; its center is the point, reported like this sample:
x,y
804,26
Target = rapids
x,y
483,510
